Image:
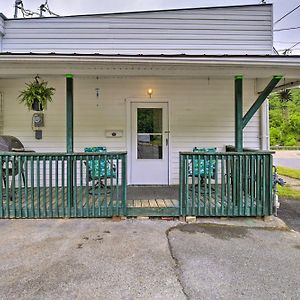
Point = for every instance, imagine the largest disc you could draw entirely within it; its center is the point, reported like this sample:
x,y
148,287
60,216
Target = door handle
x,y
167,142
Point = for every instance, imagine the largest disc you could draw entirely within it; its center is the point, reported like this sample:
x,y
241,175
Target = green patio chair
x,y
203,169
99,169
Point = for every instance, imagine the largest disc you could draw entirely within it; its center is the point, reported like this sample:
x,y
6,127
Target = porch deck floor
x,y
137,197
153,196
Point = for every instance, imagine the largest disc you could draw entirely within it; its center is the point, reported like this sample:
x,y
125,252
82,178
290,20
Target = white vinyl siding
x,y
226,30
1,112
201,113
1,31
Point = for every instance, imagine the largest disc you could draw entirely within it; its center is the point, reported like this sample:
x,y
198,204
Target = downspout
x,y
264,127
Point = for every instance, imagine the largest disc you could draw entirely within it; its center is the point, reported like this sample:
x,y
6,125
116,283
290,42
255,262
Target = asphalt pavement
x,y
151,259
289,212
287,158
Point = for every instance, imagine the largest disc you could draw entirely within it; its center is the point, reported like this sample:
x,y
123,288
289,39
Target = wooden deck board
x,y
160,203
145,203
153,203
168,203
137,203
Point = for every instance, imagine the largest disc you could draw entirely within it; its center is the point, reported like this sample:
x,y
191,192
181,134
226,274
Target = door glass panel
x,y
149,120
149,146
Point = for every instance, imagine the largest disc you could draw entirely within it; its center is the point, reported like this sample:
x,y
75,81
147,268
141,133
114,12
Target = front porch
x,y
200,103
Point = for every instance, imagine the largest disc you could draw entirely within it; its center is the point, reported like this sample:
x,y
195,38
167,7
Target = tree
x,y
284,112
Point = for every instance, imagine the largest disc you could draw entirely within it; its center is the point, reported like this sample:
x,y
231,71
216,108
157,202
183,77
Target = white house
x,y
188,58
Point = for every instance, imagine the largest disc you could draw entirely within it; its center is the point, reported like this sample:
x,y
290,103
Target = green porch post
x,y
70,134
70,143
238,94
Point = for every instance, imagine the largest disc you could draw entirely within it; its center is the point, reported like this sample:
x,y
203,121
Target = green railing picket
x,y
216,160
80,186
6,182
44,188
199,188
181,157
117,186
13,186
222,185
32,206
63,200
20,204
124,184
270,185
50,188
56,211
87,188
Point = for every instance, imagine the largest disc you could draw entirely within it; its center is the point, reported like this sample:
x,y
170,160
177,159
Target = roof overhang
x,y
254,66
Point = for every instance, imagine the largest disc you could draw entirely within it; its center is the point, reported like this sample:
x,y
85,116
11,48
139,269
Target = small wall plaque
x,y
114,133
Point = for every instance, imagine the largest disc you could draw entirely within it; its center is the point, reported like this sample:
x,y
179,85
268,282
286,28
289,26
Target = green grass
x,y
293,173
287,192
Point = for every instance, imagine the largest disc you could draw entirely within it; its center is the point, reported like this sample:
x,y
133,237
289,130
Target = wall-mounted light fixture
x,y
150,92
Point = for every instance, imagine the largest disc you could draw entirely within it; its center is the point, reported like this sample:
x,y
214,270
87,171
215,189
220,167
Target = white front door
x,y
149,143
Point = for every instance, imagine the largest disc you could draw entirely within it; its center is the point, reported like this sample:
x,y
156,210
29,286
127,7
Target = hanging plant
x,y
37,95
285,95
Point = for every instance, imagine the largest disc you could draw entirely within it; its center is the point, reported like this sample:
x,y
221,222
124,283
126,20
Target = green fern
x,y
36,91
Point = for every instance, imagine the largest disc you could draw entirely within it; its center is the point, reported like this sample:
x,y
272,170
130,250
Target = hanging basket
x,y
37,106
36,95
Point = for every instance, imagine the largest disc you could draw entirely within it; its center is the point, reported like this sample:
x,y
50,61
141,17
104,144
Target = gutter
x,y
269,61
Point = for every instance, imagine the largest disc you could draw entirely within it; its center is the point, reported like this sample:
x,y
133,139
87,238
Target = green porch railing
x,y
59,185
226,184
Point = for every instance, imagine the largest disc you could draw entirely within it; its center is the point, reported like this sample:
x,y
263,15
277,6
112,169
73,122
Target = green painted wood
x,y
70,113
270,183
260,100
70,142
238,95
240,187
152,212
181,189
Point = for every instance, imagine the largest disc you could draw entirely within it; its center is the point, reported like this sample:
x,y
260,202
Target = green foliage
x,y
37,91
288,192
293,173
285,118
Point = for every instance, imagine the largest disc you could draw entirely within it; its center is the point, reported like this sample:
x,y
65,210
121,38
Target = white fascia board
x,y
285,61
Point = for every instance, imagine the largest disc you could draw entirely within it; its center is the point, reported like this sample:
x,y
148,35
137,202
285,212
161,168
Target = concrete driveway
x,y
101,259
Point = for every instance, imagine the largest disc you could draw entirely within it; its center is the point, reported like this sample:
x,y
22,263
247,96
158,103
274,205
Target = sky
x,y
282,39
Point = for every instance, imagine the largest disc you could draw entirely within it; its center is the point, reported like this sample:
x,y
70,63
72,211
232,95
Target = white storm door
x,y
149,143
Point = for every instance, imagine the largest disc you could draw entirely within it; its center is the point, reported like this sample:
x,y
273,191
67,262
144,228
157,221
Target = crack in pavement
x,y
176,262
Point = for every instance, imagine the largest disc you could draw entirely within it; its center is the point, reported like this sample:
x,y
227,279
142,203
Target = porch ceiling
x,y
15,65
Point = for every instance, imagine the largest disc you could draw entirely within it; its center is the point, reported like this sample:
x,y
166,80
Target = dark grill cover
x,y
10,143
